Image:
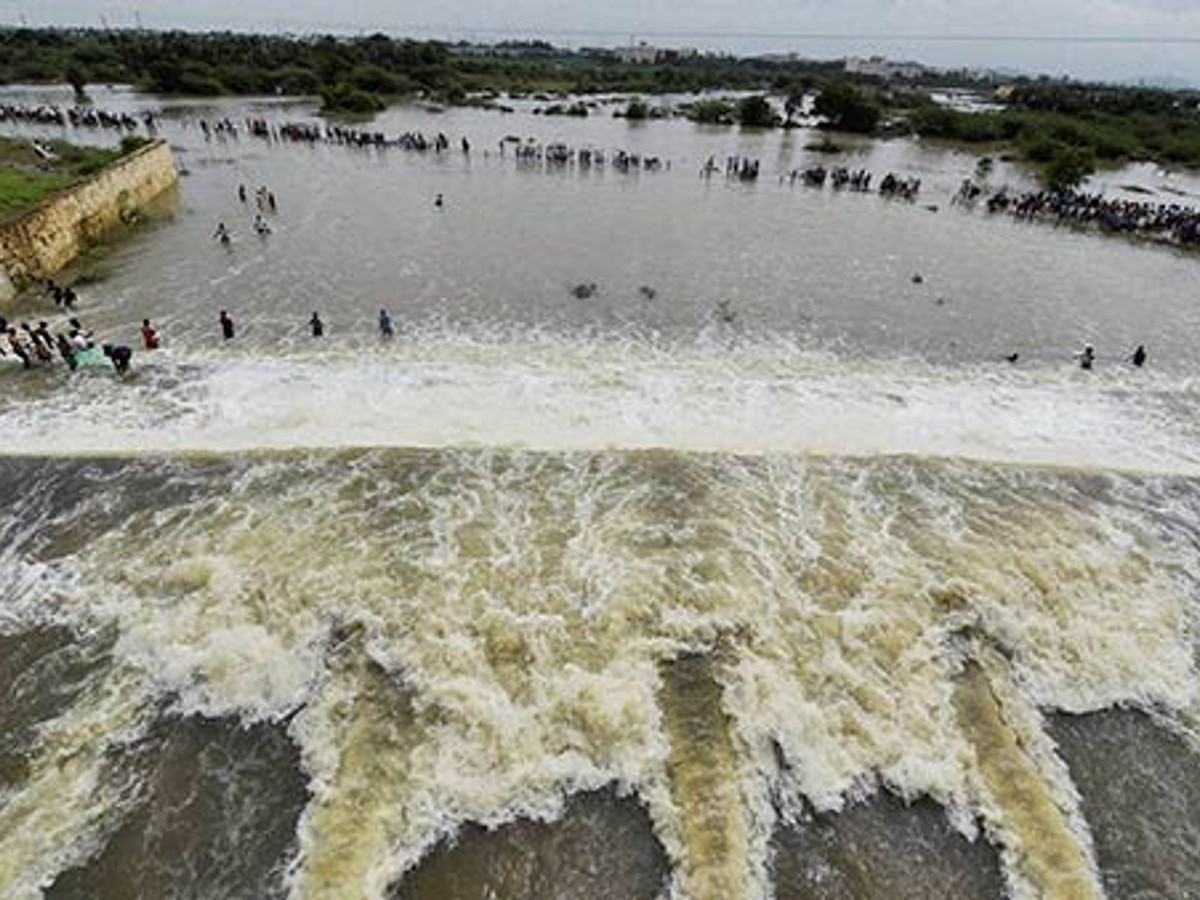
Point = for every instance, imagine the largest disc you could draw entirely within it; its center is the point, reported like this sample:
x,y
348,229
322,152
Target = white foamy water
x,y
446,389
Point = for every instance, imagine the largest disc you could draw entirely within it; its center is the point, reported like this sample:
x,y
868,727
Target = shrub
x,y
1068,167
715,112
372,79
846,108
756,112
637,109
344,98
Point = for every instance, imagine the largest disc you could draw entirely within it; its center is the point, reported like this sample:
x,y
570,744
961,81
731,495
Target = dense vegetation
x,y
359,73
27,178
1042,122
1062,127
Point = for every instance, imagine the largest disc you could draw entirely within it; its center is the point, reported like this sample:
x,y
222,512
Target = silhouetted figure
x,y
67,352
1139,356
317,326
120,356
438,201
1087,356
386,327
226,325
17,348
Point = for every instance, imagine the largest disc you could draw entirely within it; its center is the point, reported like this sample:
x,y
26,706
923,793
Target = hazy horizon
x,y
1113,40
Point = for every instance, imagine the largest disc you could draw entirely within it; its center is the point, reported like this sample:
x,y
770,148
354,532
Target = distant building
x,y
678,54
638,54
878,67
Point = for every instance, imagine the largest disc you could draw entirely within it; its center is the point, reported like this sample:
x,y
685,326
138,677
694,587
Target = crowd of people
x,y
742,168
552,155
75,117
1161,221
75,345
1173,222
342,135
842,178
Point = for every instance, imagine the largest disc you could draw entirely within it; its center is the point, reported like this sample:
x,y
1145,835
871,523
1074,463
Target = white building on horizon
x,y
878,67
640,53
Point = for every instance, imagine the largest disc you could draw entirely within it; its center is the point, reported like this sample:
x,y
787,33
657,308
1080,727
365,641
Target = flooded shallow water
x,y
617,596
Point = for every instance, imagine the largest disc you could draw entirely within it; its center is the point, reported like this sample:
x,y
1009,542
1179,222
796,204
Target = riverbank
x,y
38,241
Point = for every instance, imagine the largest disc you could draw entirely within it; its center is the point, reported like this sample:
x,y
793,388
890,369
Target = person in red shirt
x,y
149,335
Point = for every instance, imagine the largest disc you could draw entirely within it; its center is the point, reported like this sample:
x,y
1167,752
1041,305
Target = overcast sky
x,y
1129,39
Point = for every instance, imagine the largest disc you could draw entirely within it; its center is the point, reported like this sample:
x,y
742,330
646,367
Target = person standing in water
x,y
149,335
120,356
386,327
317,326
17,348
226,325
67,352
1087,356
1139,356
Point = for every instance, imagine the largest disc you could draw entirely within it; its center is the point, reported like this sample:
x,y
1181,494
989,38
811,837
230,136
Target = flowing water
x,y
772,580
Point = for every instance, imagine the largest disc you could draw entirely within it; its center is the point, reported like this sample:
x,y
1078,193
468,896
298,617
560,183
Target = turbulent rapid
x,y
609,600
474,635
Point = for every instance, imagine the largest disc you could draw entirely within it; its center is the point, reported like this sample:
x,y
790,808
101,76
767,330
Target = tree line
x,y
1063,127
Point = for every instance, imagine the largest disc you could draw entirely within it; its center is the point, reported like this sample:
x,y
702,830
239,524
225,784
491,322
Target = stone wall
x,y
36,244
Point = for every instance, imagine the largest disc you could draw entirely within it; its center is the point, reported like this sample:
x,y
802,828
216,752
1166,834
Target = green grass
x,y
26,178
20,190
18,153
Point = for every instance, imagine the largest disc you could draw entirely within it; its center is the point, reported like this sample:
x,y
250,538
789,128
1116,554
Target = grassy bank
x,y
27,177
22,190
